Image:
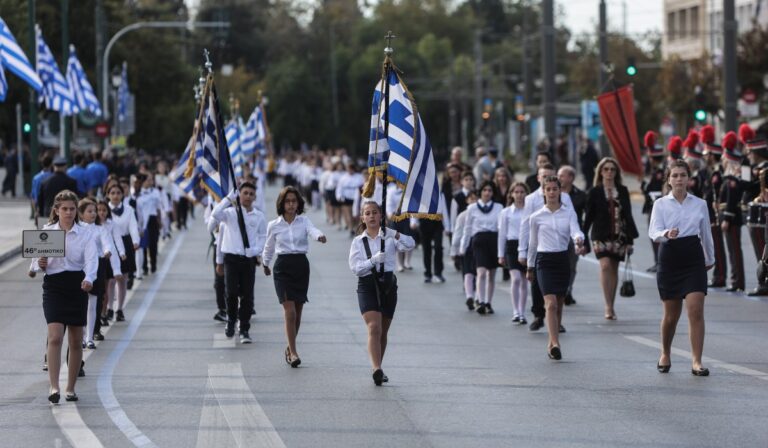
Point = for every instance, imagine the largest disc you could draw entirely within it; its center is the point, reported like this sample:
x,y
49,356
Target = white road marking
x,y
104,386
708,362
213,430
245,417
221,341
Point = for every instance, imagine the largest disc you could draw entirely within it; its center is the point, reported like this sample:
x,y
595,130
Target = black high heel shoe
x,y
555,353
288,356
296,362
378,377
663,369
71,396
54,397
701,371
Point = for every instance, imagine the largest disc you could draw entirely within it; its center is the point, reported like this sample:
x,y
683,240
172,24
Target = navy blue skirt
x,y
681,268
553,272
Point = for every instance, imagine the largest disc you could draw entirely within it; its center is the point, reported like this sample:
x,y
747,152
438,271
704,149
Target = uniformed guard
x,y
674,149
653,188
753,204
695,160
730,212
712,155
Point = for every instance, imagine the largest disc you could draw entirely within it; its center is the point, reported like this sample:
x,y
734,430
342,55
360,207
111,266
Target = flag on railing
x,y
83,93
406,149
123,94
56,93
14,59
210,147
233,135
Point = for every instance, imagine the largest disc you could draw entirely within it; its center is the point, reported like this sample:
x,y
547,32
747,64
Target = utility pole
x,y
602,67
33,156
478,83
526,69
99,17
548,67
334,85
729,63
66,121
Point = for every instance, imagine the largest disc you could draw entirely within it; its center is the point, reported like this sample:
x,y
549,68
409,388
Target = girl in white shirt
x,y
467,260
349,184
126,226
482,231
288,236
680,222
372,260
405,227
551,229
114,273
66,285
509,236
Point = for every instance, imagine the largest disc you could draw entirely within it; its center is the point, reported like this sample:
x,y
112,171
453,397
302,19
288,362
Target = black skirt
x,y
291,275
681,268
381,297
64,301
128,266
468,261
485,249
553,272
100,284
510,253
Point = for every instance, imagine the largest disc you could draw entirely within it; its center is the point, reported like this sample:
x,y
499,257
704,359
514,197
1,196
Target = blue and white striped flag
x,y
186,184
85,97
14,59
123,94
256,133
210,149
406,149
56,93
233,135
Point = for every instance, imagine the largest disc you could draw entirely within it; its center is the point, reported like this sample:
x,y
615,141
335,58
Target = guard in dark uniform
x,y
58,181
712,155
756,149
730,212
695,160
653,188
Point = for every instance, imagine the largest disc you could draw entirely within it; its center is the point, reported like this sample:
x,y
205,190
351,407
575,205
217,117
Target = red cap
x,y
673,147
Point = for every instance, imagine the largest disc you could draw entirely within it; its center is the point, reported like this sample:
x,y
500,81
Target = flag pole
x,y
388,51
223,141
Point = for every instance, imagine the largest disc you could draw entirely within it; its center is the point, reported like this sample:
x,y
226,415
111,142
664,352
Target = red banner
x,y
617,114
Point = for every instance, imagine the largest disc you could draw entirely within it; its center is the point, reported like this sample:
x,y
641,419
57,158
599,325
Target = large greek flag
x,y
14,59
233,134
210,149
255,136
56,93
85,97
406,149
186,184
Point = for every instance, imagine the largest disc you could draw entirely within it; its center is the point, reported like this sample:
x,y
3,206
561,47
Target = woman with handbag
x,y
609,217
680,222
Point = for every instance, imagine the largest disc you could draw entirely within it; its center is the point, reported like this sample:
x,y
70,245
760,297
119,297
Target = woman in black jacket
x,y
609,215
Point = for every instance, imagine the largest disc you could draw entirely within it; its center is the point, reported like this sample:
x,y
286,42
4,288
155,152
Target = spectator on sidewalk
x,y
47,163
588,159
55,183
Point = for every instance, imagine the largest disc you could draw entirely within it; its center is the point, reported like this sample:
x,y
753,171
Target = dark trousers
x,y
735,256
537,299
432,237
218,286
239,276
721,267
153,234
757,236
182,210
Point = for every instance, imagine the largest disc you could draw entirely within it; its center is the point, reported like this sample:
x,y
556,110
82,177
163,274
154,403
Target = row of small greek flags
x,y
64,95
406,150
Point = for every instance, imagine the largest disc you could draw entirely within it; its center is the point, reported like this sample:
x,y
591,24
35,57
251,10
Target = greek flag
x,y
210,148
232,132
85,98
123,94
256,133
14,59
406,149
186,184
56,93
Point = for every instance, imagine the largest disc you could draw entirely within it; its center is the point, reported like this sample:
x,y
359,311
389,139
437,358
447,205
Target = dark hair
x,y
545,154
46,161
106,205
550,179
361,227
62,196
83,205
247,184
677,164
113,184
546,166
487,183
283,195
468,174
512,188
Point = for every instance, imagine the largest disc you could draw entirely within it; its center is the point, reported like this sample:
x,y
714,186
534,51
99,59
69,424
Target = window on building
x,y
695,22
671,26
683,24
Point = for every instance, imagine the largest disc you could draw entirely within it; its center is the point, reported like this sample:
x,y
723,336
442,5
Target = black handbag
x,y
628,285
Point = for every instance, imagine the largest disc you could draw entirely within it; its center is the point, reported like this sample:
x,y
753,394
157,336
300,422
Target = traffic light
x,y
27,127
700,115
631,66
700,103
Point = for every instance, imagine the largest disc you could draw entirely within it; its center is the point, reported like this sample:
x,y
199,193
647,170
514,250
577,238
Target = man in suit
x,y
567,174
55,183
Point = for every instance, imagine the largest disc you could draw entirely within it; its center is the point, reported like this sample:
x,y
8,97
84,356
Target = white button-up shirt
x,y
509,227
552,231
102,235
149,203
362,266
126,223
477,222
289,238
230,239
533,203
348,185
690,218
80,254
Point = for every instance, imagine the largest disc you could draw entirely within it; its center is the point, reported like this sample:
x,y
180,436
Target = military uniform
x,y
654,187
753,206
712,196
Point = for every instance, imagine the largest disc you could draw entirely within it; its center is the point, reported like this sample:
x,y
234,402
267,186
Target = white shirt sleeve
x,y
359,263
502,239
657,227
706,236
269,244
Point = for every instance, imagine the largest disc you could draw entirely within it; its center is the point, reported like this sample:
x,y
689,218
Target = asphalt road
x,y
168,378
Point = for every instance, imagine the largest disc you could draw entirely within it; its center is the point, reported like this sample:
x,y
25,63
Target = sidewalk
x,y
14,217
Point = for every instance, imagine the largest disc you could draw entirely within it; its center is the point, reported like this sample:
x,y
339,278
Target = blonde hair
x,y
62,196
599,171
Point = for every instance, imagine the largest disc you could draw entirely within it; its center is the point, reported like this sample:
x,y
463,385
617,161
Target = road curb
x,y
10,254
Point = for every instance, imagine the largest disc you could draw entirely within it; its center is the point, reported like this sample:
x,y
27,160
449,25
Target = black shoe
x,y
523,321
663,369
427,279
98,336
758,292
54,398
481,309
713,284
81,373
569,300
378,377
129,283
221,316
45,367
555,353
230,331
110,314
104,322
385,379
71,396
438,279
296,362
536,325
516,319
245,338
488,308
119,316
702,371
471,304
154,269
562,329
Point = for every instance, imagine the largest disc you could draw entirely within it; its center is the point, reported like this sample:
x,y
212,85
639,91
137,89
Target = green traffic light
x,y
27,128
631,70
700,115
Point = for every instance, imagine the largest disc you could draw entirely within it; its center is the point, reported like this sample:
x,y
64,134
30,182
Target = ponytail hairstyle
x,y
62,196
547,180
512,188
362,227
83,205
